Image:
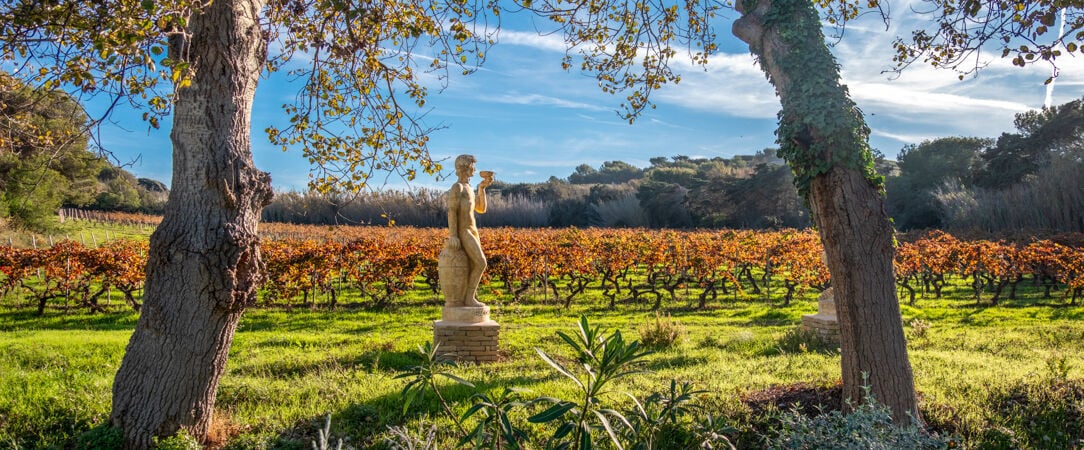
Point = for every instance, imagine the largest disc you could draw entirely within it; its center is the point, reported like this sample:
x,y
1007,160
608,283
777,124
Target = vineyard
x,y
377,266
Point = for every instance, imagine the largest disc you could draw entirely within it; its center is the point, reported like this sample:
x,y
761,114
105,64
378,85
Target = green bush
x,y
868,427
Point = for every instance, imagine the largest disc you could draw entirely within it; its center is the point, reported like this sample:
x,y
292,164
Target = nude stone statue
x,y
462,261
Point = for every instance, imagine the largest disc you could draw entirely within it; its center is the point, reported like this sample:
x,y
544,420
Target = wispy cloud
x,y
548,42
729,84
918,101
904,138
539,99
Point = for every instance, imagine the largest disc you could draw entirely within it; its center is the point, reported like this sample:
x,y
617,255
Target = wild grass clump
x,y
798,340
662,333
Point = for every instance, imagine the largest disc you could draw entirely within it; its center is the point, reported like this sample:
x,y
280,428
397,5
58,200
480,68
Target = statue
x,y
462,262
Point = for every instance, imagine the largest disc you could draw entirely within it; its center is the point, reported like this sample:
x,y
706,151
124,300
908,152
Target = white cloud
x,y
904,138
539,99
925,102
552,42
730,84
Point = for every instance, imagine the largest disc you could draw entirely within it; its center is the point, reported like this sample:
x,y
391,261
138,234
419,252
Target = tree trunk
x,y
825,140
204,265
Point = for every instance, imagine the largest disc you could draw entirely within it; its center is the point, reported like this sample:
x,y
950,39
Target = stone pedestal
x,y
824,324
466,333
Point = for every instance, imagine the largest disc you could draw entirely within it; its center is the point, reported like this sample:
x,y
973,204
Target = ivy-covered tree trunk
x,y
824,138
204,264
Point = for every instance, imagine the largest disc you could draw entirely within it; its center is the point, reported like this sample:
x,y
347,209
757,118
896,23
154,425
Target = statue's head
x,y
463,164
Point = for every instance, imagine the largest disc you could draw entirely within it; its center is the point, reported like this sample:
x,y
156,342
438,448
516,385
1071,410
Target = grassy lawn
x,y
995,376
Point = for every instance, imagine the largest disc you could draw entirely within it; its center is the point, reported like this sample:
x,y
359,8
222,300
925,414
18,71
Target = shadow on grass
x,y
365,424
369,361
772,317
22,319
1068,312
669,362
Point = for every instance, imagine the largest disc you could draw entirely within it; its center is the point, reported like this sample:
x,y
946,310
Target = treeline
x,y
46,162
679,192
1031,179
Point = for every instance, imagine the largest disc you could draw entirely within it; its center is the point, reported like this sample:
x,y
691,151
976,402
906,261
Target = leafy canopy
x,y
627,45
360,66
364,67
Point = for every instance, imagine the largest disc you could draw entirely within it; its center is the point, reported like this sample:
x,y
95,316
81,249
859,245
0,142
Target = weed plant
x,y
661,333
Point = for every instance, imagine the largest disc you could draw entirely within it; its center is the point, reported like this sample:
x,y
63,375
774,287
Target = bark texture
x,y
204,265
846,205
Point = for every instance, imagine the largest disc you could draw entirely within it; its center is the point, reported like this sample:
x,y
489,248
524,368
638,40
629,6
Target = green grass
x,y
999,377
288,369
88,233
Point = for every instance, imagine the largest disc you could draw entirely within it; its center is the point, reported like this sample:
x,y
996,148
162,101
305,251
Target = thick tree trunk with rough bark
x,y
204,264
828,141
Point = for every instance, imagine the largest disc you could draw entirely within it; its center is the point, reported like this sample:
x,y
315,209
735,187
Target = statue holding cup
x,y
462,262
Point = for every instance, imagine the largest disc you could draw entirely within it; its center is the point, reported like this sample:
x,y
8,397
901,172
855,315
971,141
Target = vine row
x,y
323,266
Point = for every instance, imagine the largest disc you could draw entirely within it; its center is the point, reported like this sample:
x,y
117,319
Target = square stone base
x,y
823,326
473,342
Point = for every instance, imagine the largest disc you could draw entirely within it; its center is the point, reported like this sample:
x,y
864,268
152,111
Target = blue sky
x,y
527,119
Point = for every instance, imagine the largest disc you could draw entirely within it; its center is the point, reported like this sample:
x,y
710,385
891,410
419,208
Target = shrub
x,y
599,361
868,427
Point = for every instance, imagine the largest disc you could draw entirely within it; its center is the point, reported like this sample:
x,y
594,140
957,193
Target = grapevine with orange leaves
x,y
645,267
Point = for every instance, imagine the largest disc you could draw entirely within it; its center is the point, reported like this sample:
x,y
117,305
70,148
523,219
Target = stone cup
x,y
486,175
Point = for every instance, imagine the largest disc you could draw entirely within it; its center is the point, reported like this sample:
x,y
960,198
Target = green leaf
x,y
558,367
609,429
457,379
563,430
617,415
586,331
470,411
552,413
408,396
475,435
582,351
639,407
586,443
